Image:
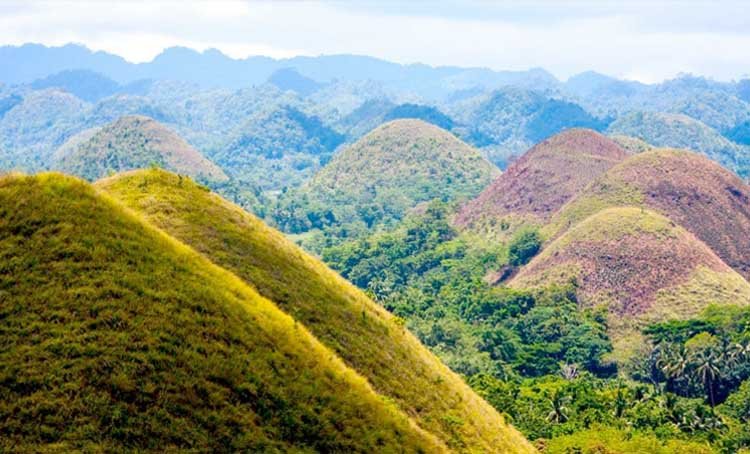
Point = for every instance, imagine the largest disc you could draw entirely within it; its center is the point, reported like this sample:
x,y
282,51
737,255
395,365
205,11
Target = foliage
x,y
556,115
428,114
87,85
523,246
427,273
376,181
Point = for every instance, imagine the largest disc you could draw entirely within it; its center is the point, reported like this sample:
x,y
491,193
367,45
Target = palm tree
x,y
707,367
674,362
559,412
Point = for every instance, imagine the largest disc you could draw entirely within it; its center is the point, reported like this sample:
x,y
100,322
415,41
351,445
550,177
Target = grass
x,y
116,337
535,186
706,199
134,142
640,265
363,334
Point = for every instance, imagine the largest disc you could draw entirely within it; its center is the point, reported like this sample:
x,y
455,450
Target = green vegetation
x,y
366,337
135,142
682,131
116,337
428,274
544,357
376,181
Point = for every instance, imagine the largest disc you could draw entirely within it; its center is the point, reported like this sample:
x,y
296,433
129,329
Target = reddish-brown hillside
x,y
640,265
693,191
540,182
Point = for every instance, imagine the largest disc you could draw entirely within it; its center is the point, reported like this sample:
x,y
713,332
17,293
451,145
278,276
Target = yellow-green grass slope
x,y
115,336
695,192
366,336
641,266
400,164
132,142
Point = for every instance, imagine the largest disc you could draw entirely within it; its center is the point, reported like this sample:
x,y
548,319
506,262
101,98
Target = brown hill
x,y
133,142
694,191
540,182
640,265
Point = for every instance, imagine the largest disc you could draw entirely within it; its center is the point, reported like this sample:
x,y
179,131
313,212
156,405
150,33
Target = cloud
x,y
645,40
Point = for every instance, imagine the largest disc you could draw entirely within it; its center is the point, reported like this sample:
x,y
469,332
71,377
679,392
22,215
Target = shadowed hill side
x,y
133,142
640,265
116,337
693,191
540,182
341,316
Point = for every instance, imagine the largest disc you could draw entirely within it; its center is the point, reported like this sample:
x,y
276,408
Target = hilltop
x,y
640,265
540,182
117,337
364,335
386,173
134,142
695,192
682,131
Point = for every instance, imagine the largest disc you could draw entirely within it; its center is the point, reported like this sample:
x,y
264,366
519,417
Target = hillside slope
x,y
640,265
134,142
394,168
341,316
682,131
695,192
117,337
540,182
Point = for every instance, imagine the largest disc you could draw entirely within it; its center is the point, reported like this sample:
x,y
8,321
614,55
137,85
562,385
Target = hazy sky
x,y
643,40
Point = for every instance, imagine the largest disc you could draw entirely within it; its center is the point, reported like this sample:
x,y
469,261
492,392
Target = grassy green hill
x,y
696,193
365,336
638,264
115,336
133,142
382,176
540,182
682,131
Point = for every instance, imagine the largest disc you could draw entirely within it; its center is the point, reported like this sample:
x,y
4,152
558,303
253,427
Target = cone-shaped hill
x,y
397,166
640,265
117,337
693,191
133,142
540,182
363,334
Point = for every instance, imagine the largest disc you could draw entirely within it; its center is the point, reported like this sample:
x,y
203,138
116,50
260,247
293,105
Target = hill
x,y
389,171
278,147
631,144
87,85
134,142
638,264
681,131
289,79
367,338
693,191
117,337
36,125
540,182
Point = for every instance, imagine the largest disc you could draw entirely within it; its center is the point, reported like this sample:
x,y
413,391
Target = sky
x,y
641,40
